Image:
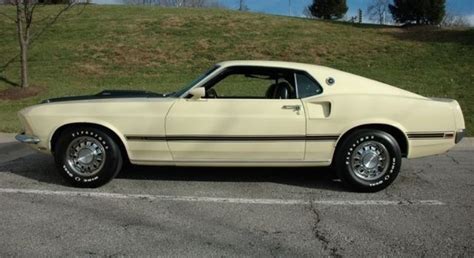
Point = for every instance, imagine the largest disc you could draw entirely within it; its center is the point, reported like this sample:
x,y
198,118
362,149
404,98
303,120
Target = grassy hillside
x,y
160,49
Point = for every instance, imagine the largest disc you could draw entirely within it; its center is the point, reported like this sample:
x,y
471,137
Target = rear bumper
x,y
460,135
28,139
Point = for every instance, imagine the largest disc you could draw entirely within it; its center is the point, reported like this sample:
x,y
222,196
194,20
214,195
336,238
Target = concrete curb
x,y
7,137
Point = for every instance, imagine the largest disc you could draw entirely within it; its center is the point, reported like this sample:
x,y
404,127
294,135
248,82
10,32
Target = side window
x,y
239,85
250,82
307,86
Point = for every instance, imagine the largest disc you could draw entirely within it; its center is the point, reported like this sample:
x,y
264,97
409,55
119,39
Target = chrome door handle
x,y
294,107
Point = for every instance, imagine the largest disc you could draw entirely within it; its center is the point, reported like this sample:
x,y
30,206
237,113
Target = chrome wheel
x,y
370,160
86,156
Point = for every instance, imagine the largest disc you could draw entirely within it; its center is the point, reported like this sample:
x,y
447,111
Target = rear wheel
x,y
368,160
87,157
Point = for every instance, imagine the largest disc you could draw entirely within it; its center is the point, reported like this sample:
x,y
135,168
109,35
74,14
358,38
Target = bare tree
x,y
307,13
451,20
186,3
175,3
378,10
290,13
24,18
242,6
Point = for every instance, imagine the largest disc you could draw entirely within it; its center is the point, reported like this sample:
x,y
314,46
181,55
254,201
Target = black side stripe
x,y
233,138
146,138
440,135
322,137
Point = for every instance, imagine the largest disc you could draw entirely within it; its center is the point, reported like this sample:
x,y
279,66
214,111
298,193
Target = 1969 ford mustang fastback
x,y
247,113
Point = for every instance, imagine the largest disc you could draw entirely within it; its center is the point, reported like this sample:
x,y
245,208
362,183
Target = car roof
x,y
277,64
345,82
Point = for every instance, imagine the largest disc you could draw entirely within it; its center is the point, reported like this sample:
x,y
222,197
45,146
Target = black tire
x,y
363,149
77,145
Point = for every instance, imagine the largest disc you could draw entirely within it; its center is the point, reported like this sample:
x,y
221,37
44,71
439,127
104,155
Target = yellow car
x,y
247,113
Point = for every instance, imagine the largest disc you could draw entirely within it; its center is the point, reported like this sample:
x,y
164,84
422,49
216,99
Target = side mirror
x,y
198,93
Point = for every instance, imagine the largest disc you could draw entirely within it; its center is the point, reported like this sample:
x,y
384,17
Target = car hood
x,y
109,94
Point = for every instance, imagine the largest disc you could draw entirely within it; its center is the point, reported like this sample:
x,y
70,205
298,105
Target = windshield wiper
x,y
169,94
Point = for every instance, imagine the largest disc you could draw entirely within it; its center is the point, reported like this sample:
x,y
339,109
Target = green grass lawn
x,y
159,49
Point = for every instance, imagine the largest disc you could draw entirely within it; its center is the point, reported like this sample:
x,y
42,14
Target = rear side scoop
x,y
318,110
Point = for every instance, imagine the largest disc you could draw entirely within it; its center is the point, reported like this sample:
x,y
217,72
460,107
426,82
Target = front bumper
x,y
460,135
28,139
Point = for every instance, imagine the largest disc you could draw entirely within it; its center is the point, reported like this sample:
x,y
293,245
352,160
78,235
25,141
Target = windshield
x,y
193,83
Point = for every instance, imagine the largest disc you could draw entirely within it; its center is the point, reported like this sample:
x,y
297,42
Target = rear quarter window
x,y
307,86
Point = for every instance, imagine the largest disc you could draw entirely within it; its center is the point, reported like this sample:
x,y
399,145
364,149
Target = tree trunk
x,y
24,64
23,38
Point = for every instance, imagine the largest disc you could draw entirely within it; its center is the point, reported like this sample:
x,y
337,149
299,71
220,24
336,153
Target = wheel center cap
x,y
85,156
370,160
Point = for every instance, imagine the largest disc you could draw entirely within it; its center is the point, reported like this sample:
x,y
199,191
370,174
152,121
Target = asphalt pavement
x,y
166,211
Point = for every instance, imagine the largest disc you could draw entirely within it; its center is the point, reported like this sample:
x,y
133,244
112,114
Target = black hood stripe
x,y
109,94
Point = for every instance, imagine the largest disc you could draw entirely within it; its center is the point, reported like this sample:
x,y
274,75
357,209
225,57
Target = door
x,y
247,115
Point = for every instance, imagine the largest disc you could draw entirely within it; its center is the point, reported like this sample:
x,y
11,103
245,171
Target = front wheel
x,y
368,160
87,157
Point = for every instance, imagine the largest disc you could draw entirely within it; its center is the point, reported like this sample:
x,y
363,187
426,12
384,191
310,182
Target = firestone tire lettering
x,y
112,163
344,155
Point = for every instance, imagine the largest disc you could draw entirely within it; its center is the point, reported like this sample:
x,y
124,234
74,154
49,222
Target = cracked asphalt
x,y
235,211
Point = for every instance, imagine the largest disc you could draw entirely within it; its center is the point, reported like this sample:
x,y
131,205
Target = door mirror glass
x,y
198,93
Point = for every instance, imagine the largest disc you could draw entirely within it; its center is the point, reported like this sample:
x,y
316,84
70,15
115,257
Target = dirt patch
x,y
90,69
203,44
16,93
142,54
172,22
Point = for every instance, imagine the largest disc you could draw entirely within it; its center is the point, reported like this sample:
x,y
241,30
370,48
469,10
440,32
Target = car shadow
x,y
317,178
41,168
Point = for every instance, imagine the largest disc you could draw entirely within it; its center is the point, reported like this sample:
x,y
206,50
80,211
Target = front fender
x,y
87,121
